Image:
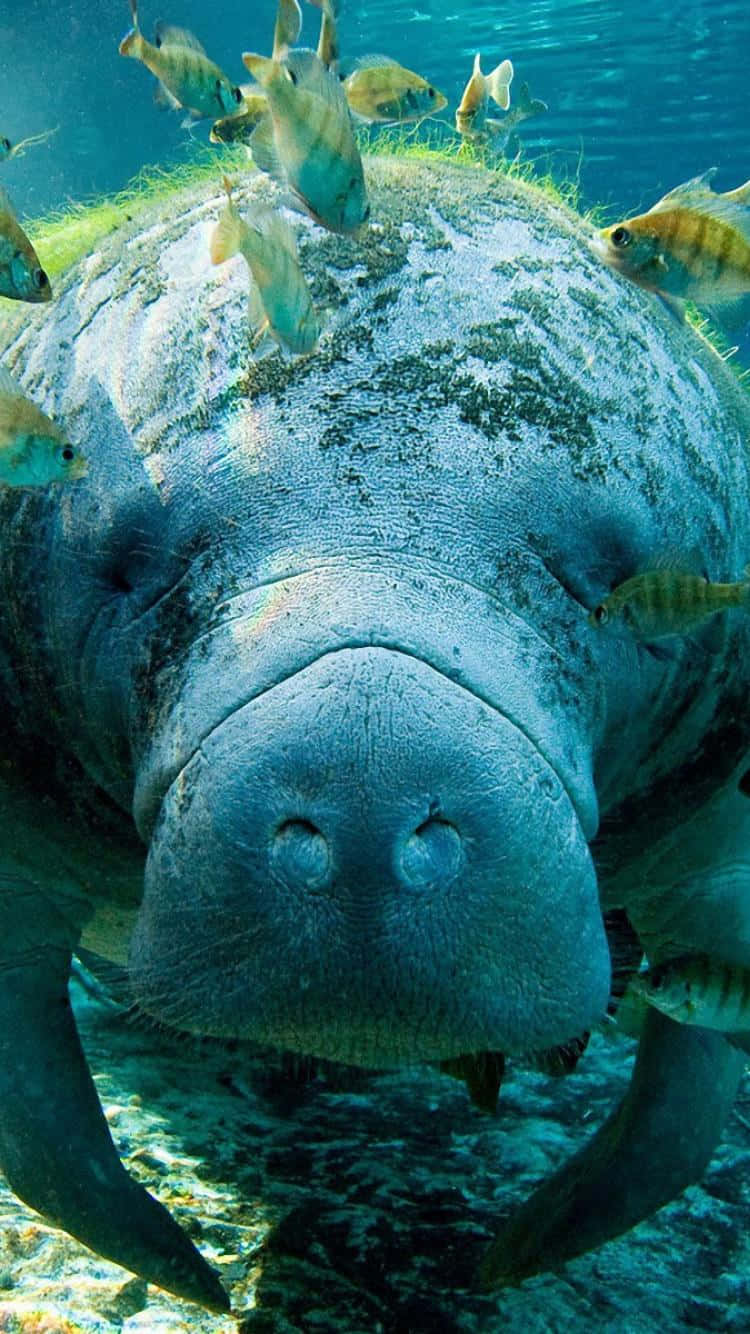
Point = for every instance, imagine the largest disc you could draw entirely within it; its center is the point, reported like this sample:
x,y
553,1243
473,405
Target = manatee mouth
x,y
401,875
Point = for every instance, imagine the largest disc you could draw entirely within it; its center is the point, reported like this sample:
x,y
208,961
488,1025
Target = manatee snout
x,y
367,862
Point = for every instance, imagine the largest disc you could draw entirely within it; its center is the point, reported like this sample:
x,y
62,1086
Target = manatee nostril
x,y
432,855
300,855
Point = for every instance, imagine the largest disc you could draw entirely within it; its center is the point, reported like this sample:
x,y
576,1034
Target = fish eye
x,y
292,77
67,453
237,94
620,236
5,143
39,279
430,92
601,615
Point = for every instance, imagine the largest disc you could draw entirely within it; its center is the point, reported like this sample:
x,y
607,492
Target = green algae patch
x,y
68,235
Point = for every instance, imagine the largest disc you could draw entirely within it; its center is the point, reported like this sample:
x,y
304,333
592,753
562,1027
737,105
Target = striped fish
x,y
280,302
238,129
694,244
659,603
383,92
33,449
22,278
307,140
699,989
187,78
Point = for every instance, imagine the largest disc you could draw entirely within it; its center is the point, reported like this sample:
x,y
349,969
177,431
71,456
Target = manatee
x,y
304,720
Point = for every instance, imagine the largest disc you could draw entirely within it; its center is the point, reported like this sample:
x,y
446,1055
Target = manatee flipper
x,y
55,1147
658,1141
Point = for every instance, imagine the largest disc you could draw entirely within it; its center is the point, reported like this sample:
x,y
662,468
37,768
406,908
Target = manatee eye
x,y
237,95
39,279
620,237
67,453
601,615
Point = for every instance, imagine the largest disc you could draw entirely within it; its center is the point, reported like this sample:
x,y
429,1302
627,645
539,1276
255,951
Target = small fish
x,y
187,78
501,132
471,115
33,450
9,150
381,91
699,989
238,128
266,242
660,603
693,245
21,276
307,140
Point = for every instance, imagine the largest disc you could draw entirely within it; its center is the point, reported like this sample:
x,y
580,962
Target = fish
x,y
9,150
692,245
660,603
266,242
22,277
238,128
187,78
307,140
699,989
501,132
381,91
288,27
471,115
33,449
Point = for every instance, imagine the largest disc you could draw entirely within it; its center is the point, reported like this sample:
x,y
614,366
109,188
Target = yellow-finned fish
x,y
9,150
699,989
694,244
33,450
382,92
238,128
187,78
266,242
659,603
471,115
22,277
307,140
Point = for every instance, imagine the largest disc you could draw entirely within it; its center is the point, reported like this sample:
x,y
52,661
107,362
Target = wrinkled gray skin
x,y
309,646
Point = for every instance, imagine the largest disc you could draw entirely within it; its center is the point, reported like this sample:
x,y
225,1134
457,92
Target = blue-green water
x,y
640,96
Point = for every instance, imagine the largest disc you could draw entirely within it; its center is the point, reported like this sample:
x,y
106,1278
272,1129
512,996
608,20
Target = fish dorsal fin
x,y
8,385
477,69
732,208
5,204
263,149
688,195
288,27
374,61
168,34
739,196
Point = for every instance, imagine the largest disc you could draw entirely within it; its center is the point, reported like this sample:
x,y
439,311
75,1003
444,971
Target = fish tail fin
x,y
498,84
132,42
226,238
261,67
